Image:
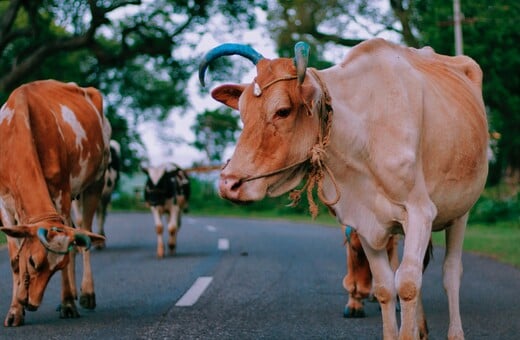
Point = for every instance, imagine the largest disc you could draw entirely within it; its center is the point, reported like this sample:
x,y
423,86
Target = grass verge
x,y
499,241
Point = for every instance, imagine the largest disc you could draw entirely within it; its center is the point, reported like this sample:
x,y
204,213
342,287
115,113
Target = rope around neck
x,y
317,155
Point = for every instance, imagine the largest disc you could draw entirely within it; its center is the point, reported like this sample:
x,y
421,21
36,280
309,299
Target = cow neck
x,y
50,216
317,166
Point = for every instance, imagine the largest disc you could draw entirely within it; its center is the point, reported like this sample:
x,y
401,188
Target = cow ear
x,y
18,231
309,95
96,239
228,94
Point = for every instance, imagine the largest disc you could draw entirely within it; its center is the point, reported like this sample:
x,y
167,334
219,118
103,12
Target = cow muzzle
x,y
229,188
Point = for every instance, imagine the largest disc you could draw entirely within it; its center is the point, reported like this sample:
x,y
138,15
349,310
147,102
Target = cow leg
x,y
158,230
16,313
421,319
71,268
452,273
408,277
173,227
358,279
384,288
101,213
67,307
90,200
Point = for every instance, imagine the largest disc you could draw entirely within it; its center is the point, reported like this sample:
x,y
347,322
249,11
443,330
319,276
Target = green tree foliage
x,y
490,37
215,130
138,53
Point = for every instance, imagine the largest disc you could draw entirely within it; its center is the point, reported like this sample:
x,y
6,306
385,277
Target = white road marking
x,y
223,244
211,228
196,290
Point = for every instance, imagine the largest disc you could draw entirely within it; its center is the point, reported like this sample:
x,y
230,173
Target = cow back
x,y
57,136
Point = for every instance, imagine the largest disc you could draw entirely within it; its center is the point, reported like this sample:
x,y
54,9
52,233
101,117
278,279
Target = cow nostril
x,y
236,185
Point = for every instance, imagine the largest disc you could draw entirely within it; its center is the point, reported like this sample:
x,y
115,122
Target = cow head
x,y
37,251
280,125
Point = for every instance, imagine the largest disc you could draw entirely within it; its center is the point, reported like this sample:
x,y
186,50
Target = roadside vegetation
x,y
493,229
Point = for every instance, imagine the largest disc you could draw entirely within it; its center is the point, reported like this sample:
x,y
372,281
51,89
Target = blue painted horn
x,y
80,239
301,59
224,50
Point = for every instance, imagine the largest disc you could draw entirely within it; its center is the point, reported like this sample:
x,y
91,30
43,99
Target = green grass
x,y
500,241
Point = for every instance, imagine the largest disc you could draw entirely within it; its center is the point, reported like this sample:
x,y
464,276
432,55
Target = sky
x,y
161,150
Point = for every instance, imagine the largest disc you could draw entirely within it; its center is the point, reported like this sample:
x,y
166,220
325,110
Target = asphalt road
x,y
265,280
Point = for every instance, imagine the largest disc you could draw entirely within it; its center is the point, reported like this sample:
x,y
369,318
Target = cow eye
x,y
283,113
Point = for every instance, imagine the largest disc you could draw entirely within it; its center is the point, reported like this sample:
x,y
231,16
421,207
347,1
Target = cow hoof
x,y
68,311
353,313
173,249
14,320
88,301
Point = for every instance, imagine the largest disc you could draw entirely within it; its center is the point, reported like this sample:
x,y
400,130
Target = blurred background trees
x,y
136,52
142,54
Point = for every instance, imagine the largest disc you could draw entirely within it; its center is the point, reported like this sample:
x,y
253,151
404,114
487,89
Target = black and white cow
x,y
111,179
167,191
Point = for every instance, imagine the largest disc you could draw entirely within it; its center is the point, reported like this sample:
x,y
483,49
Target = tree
x,y
138,53
215,130
490,37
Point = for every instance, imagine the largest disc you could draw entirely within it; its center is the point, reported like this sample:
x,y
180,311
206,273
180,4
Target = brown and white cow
x,y
111,178
54,146
358,280
167,192
394,138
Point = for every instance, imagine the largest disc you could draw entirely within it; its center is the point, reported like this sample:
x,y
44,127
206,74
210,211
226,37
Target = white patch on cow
x,y
116,146
103,122
110,180
76,183
58,243
8,218
6,113
156,173
58,202
70,118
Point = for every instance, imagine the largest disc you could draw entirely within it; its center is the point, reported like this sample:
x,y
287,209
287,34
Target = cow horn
x,y
42,235
301,59
224,50
82,240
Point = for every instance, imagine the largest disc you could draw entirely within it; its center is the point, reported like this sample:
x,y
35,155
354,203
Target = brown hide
x,y
54,146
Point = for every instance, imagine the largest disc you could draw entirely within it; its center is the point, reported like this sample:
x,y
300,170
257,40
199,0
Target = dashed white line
x,y
211,228
196,290
223,244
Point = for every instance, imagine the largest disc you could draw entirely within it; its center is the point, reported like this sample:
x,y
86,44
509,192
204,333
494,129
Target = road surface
x,y
249,279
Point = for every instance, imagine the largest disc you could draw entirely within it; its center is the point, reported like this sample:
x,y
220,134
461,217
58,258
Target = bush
x,y
491,210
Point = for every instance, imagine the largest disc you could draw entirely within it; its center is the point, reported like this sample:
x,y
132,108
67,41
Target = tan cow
x,y
394,138
54,146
